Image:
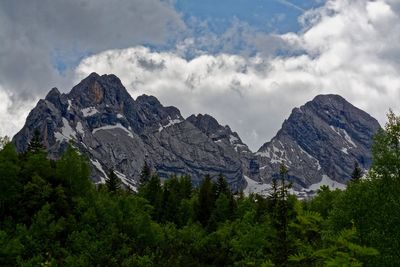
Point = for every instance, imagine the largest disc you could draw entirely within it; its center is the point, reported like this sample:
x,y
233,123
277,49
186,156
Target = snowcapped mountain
x,y
319,142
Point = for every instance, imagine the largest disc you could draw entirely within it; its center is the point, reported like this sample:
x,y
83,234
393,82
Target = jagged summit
x,y
319,142
99,90
116,131
206,123
321,139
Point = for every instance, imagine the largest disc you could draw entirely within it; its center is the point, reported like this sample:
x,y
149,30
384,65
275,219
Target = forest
x,y
51,214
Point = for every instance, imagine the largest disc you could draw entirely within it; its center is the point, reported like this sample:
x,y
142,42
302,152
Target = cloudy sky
x,y
248,63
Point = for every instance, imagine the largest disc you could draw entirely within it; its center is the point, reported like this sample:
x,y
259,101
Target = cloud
x,y
346,47
238,38
41,41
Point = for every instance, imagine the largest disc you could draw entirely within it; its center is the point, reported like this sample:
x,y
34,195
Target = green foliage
x,y
73,172
52,215
323,202
10,185
386,150
145,174
357,173
113,183
4,140
206,201
35,145
372,206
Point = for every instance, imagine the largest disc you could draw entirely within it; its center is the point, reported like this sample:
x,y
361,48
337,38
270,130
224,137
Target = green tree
x,y
280,217
357,173
386,150
222,187
372,206
35,145
4,141
74,173
145,173
113,183
206,200
153,193
10,185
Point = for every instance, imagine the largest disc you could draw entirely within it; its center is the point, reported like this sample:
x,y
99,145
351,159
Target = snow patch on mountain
x,y
89,111
69,105
66,133
79,128
98,166
348,138
233,139
112,127
170,123
256,187
326,180
125,180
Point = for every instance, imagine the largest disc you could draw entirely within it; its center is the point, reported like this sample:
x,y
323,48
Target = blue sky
x,y
264,15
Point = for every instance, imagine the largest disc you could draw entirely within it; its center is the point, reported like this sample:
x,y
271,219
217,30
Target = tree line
x,y
52,215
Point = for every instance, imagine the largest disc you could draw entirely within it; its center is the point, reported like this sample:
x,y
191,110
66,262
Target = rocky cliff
x,y
319,142
101,119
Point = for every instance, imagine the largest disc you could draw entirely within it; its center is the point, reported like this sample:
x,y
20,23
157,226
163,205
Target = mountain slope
x,y
102,120
320,141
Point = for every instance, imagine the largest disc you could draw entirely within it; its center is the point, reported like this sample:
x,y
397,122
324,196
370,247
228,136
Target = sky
x,y
247,63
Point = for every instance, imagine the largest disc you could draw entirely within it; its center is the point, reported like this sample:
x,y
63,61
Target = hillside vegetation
x,y
52,215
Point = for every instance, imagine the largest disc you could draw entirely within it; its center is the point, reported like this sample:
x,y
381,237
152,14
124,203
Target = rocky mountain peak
x,y
321,140
97,90
206,123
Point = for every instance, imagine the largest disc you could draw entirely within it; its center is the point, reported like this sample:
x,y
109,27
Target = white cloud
x,y
348,47
12,117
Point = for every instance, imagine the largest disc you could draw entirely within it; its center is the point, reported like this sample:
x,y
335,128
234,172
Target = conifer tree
x,y
113,183
281,218
222,186
145,174
206,200
357,173
35,145
154,193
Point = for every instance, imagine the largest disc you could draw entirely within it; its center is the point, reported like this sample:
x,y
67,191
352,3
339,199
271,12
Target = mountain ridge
x,y
118,132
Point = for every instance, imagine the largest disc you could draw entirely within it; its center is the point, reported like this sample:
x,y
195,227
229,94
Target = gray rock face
x,y
319,142
101,119
322,139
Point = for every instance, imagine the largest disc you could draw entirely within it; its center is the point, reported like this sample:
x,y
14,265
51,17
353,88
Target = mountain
x,y
115,131
319,142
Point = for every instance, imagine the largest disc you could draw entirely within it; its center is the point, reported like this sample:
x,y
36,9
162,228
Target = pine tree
x,y
113,183
281,218
145,174
35,145
153,192
222,186
357,173
206,200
